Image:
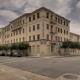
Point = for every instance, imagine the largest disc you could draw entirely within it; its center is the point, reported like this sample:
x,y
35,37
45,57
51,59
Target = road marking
x,y
19,76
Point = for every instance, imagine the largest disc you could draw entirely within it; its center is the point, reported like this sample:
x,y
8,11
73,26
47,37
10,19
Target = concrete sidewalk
x,y
10,73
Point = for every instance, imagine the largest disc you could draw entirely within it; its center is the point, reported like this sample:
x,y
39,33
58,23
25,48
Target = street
x,y
52,67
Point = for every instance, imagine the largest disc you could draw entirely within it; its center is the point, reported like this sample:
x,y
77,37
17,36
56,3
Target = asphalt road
x,y
51,67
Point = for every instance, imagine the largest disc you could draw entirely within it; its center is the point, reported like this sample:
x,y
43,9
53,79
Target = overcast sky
x,y
70,9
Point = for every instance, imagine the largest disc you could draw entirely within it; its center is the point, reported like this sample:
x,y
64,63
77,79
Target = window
x,y
16,40
23,39
47,15
47,37
11,41
61,30
56,38
33,17
61,21
47,26
58,29
38,37
51,16
64,31
20,31
38,26
23,21
16,32
29,19
34,28
33,37
67,32
58,20
19,39
64,22
38,15
11,34
29,38
29,29
20,21
38,48
61,38
23,30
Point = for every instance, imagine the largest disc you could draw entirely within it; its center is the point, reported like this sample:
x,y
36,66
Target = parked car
x,y
2,54
16,55
8,54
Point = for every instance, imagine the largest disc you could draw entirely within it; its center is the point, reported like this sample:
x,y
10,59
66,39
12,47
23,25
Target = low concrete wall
x,y
68,51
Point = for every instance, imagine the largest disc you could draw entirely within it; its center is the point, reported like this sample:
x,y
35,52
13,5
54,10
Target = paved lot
x,y
51,67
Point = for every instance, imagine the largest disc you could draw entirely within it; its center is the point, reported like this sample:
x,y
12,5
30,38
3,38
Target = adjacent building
x,y
43,29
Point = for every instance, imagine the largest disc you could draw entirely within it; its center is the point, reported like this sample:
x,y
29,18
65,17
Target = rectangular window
x,y
29,38
38,26
33,17
61,30
38,37
64,22
23,39
11,34
20,31
19,39
16,32
47,26
56,38
33,37
38,15
29,19
23,30
61,38
23,21
47,15
58,20
38,48
34,28
47,37
29,29
64,31
58,29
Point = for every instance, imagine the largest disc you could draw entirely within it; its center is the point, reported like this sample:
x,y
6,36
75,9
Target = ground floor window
x,y
38,48
51,48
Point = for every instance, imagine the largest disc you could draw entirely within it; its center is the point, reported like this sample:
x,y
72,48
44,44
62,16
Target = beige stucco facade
x,y
42,28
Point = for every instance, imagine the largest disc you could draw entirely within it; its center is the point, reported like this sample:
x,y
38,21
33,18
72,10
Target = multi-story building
x,y
74,37
42,29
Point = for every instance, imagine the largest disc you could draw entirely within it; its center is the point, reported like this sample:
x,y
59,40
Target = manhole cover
x,y
72,77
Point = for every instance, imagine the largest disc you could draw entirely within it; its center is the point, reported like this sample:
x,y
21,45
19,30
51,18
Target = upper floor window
x,y
23,21
47,26
33,17
29,19
11,34
29,29
38,37
58,20
23,30
47,15
29,38
61,30
34,28
58,29
38,26
20,31
23,39
47,37
64,31
64,22
33,37
38,15
16,32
